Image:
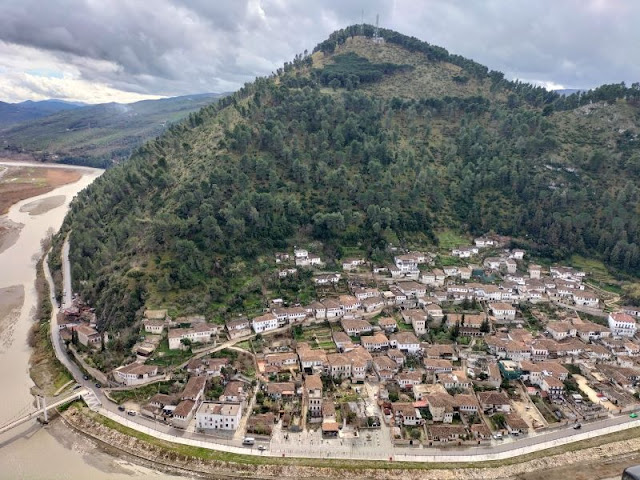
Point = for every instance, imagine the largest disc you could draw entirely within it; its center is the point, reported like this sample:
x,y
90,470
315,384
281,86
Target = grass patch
x,y
449,239
142,393
355,465
598,273
165,357
45,370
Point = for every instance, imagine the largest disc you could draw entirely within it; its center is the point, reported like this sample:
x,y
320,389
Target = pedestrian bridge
x,y
29,412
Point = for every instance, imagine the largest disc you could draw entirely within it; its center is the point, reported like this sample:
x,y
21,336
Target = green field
x,y
449,239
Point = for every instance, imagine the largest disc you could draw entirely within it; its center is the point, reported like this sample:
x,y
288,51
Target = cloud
x,y
170,47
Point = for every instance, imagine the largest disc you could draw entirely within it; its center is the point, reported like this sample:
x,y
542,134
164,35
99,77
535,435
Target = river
x,y
31,451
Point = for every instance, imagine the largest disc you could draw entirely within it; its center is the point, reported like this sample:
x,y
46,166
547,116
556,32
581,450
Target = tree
x,y
484,326
455,331
499,420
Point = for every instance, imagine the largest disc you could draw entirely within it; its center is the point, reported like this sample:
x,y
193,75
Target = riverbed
x,y
31,451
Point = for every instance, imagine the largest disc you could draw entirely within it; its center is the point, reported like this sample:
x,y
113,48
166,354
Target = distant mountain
x,y
12,113
98,135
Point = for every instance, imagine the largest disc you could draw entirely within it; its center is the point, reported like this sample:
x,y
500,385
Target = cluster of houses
x,y
381,334
181,333
78,321
179,410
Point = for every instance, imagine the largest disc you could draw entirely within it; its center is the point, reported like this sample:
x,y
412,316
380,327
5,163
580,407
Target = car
x,y
577,426
248,441
98,385
132,413
85,377
121,408
77,387
262,448
634,415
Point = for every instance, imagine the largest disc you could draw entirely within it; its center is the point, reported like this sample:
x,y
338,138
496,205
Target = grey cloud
x,y
170,47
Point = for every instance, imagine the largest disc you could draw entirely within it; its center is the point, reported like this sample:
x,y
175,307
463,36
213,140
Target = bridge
x,y
28,413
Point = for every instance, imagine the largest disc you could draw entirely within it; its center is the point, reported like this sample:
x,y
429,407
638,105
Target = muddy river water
x,y
31,451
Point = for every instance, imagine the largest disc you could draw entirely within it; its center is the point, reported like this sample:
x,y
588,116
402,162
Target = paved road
x,y
351,449
66,274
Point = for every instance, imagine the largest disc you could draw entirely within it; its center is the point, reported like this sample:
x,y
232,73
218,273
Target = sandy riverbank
x,y
21,182
43,205
11,301
9,233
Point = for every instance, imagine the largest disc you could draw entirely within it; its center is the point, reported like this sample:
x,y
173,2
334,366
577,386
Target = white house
x,y
585,299
622,324
405,342
218,416
352,263
153,326
265,322
200,333
503,311
534,271
135,373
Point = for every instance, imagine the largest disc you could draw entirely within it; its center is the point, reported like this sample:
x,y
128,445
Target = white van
x,y
248,441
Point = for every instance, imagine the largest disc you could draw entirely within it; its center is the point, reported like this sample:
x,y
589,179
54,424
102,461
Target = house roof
x,y
445,431
281,388
313,382
377,339
155,314
404,409
405,338
184,408
355,324
387,322
623,317
440,400
227,409
493,398
195,386
515,421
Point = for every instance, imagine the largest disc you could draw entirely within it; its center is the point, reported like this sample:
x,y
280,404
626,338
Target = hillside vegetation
x,y
99,135
353,148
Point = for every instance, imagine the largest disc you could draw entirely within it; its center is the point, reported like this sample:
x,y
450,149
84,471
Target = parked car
x,y
577,426
131,412
86,377
121,408
98,385
634,415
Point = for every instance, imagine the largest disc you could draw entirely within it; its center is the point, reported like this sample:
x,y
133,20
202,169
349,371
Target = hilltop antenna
x,y
376,33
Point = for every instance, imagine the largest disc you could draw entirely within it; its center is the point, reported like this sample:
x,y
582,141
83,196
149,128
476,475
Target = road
x,y
321,448
67,296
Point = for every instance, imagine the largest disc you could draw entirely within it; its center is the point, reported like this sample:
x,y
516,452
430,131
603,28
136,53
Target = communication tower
x,y
376,33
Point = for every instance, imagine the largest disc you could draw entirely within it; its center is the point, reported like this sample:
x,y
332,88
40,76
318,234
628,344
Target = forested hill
x,y
98,135
351,148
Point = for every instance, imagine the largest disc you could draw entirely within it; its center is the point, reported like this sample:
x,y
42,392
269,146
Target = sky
x,y
127,50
